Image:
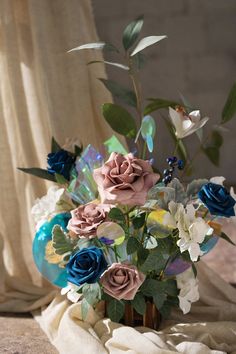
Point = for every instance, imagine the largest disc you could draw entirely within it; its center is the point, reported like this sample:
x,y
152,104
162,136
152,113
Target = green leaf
x,y
127,96
116,215
229,109
165,310
60,179
139,303
159,103
131,32
170,287
194,270
159,300
151,287
139,60
226,238
61,243
132,245
117,65
139,220
78,150
194,187
96,45
147,42
55,147
84,308
142,255
38,172
155,261
115,310
92,293
213,154
119,119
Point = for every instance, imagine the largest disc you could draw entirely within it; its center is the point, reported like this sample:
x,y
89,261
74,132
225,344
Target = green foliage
x,y
139,303
138,61
142,255
114,145
96,45
151,287
139,220
78,150
155,261
159,103
38,172
159,300
115,310
117,65
92,293
61,243
60,179
226,238
131,32
229,109
127,96
119,119
84,308
116,214
212,150
55,147
147,42
194,187
132,245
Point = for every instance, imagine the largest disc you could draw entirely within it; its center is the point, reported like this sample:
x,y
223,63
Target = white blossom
x,y
71,290
192,229
55,201
188,285
186,124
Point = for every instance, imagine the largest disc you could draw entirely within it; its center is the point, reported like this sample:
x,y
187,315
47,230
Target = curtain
x,y
44,92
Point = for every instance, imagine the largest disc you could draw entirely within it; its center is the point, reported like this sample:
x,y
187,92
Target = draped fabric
x,y
44,92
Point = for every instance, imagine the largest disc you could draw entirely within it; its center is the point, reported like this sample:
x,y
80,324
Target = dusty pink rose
x,y
86,219
125,180
122,281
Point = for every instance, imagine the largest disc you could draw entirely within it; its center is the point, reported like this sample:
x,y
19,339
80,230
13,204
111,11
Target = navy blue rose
x,y
60,162
86,266
217,199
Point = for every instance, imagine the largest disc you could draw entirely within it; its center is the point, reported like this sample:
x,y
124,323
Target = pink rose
x,y
86,219
122,281
125,180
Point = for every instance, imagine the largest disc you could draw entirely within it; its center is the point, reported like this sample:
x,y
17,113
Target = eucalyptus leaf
x,y
159,103
117,65
95,45
229,109
180,194
92,293
55,147
147,42
119,119
127,96
60,179
194,187
139,303
38,172
61,243
131,32
115,310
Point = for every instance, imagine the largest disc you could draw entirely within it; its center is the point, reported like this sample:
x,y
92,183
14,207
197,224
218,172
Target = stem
x,y
144,151
176,147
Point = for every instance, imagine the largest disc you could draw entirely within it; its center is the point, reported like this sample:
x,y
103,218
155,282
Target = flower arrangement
x,y
114,229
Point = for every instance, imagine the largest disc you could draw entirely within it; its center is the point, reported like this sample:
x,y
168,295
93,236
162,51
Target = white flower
x,y
71,290
188,285
55,201
218,180
186,124
192,229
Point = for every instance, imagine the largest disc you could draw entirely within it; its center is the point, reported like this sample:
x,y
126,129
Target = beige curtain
x,y
43,92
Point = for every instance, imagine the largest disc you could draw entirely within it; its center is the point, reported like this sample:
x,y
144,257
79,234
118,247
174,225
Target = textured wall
x,y
198,59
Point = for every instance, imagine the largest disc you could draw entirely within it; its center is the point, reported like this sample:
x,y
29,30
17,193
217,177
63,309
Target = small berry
x,y
174,158
166,172
180,164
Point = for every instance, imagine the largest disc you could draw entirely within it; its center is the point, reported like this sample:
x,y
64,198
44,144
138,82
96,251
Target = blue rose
x,y
60,162
217,199
86,266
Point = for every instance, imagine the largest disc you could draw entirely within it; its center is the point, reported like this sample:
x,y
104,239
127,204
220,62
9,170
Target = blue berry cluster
x,y
173,162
